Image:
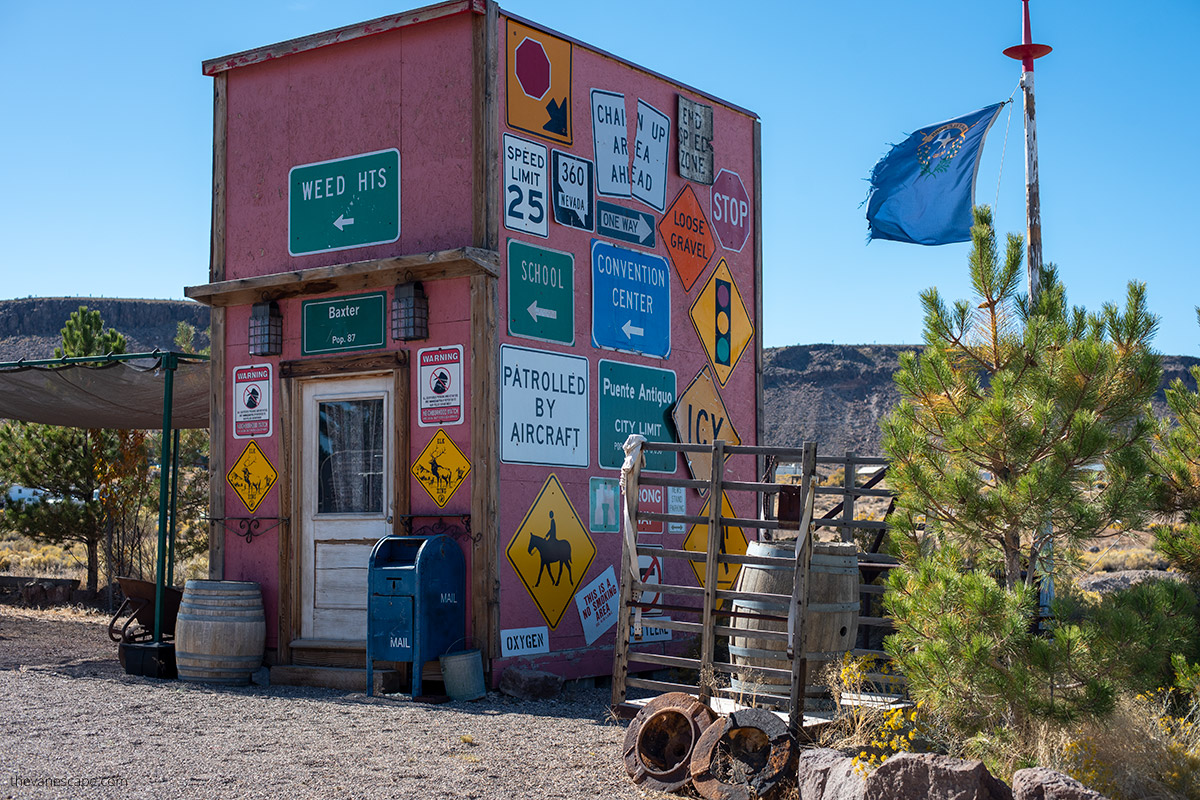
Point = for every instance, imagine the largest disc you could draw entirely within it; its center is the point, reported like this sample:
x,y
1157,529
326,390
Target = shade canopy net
x,y
127,393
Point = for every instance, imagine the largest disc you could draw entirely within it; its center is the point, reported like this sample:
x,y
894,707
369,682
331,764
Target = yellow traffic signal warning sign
x,y
538,95
551,551
700,417
733,541
721,322
441,468
252,476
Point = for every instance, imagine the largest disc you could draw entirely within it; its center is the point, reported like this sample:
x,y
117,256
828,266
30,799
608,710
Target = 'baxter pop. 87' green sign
x,y
541,293
342,324
342,203
634,399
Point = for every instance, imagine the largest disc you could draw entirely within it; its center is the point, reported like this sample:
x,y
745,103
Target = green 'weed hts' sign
x,y
343,203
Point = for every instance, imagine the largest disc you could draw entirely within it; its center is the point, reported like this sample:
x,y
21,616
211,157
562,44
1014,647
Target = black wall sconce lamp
x,y
410,312
266,329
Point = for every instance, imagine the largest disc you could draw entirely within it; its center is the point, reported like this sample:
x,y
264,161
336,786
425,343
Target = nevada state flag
x,y
923,189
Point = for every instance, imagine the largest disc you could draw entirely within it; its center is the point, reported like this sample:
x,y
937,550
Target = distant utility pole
x,y
1026,52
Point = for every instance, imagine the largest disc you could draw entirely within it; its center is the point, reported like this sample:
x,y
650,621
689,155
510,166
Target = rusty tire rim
x,y
661,739
758,740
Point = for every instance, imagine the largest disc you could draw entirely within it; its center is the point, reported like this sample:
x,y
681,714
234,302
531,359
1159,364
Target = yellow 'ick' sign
x,y
538,95
252,476
701,418
551,551
441,468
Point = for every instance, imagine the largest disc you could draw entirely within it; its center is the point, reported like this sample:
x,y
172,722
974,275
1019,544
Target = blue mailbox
x,y
416,608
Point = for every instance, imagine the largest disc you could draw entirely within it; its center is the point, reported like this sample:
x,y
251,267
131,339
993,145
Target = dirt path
x,y
74,725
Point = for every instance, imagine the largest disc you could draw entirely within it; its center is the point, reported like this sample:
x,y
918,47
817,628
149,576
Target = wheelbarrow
x,y
138,612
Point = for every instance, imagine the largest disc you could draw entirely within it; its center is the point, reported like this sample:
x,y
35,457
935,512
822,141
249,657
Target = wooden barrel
x,y
833,605
753,653
832,622
220,632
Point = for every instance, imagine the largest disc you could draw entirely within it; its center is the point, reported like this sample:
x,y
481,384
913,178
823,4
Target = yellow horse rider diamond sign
x,y
551,551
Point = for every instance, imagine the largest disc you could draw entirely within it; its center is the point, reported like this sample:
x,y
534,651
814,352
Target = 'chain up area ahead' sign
x,y
343,203
631,301
634,399
543,408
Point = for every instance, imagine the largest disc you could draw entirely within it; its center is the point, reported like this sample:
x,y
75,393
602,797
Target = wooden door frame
x,y
291,373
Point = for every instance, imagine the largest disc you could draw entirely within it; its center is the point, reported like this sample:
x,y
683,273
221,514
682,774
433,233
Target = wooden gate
x,y
716,616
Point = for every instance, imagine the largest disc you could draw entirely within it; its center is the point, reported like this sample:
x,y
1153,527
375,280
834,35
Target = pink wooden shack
x,y
457,259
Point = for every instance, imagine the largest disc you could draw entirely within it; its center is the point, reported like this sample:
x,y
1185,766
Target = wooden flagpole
x,y
1026,52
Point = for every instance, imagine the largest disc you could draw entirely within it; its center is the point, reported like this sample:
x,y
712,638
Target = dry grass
x,y
1119,559
1149,749
23,556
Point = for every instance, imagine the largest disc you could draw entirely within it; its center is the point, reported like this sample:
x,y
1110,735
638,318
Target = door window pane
x,y
351,459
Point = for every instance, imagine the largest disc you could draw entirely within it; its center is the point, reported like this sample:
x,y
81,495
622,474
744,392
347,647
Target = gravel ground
x,y
70,717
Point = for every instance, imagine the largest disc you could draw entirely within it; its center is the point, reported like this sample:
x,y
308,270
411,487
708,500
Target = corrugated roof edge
x,y
425,14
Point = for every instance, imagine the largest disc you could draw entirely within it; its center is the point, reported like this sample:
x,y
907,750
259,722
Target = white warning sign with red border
x,y
252,401
440,386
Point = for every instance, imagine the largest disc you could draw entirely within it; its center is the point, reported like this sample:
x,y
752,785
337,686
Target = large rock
x,y
1040,783
929,776
530,684
825,774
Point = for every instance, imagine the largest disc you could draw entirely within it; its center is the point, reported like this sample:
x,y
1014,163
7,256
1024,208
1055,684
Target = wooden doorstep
x,y
387,681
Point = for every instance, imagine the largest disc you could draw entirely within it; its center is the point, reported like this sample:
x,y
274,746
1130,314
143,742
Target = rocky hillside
x,y
834,394
30,327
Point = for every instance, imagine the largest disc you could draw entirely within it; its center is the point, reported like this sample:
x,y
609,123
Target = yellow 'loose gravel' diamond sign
x,y
551,551
721,321
252,476
733,541
441,468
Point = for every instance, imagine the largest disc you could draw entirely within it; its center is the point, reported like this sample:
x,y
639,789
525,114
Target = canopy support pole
x,y
169,363
174,505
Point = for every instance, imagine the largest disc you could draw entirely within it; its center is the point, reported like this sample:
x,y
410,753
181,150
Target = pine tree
x,y
66,464
1008,413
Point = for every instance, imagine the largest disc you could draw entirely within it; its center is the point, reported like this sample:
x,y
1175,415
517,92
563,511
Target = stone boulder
x,y
1040,783
930,776
825,774
530,684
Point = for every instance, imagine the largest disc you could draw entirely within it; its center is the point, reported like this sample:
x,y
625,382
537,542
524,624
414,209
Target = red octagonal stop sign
x,y
533,68
730,210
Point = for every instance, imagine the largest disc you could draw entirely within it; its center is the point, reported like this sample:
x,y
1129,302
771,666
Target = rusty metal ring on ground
x,y
777,768
661,738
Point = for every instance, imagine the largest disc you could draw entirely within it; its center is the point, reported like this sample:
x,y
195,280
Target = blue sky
x,y
107,138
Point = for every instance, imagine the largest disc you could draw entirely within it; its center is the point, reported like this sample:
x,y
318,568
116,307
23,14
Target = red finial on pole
x,y
1026,51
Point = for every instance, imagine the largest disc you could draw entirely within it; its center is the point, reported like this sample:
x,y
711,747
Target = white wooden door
x,y
346,499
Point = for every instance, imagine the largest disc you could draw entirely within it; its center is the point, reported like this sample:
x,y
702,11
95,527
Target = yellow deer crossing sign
x,y
441,468
252,476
